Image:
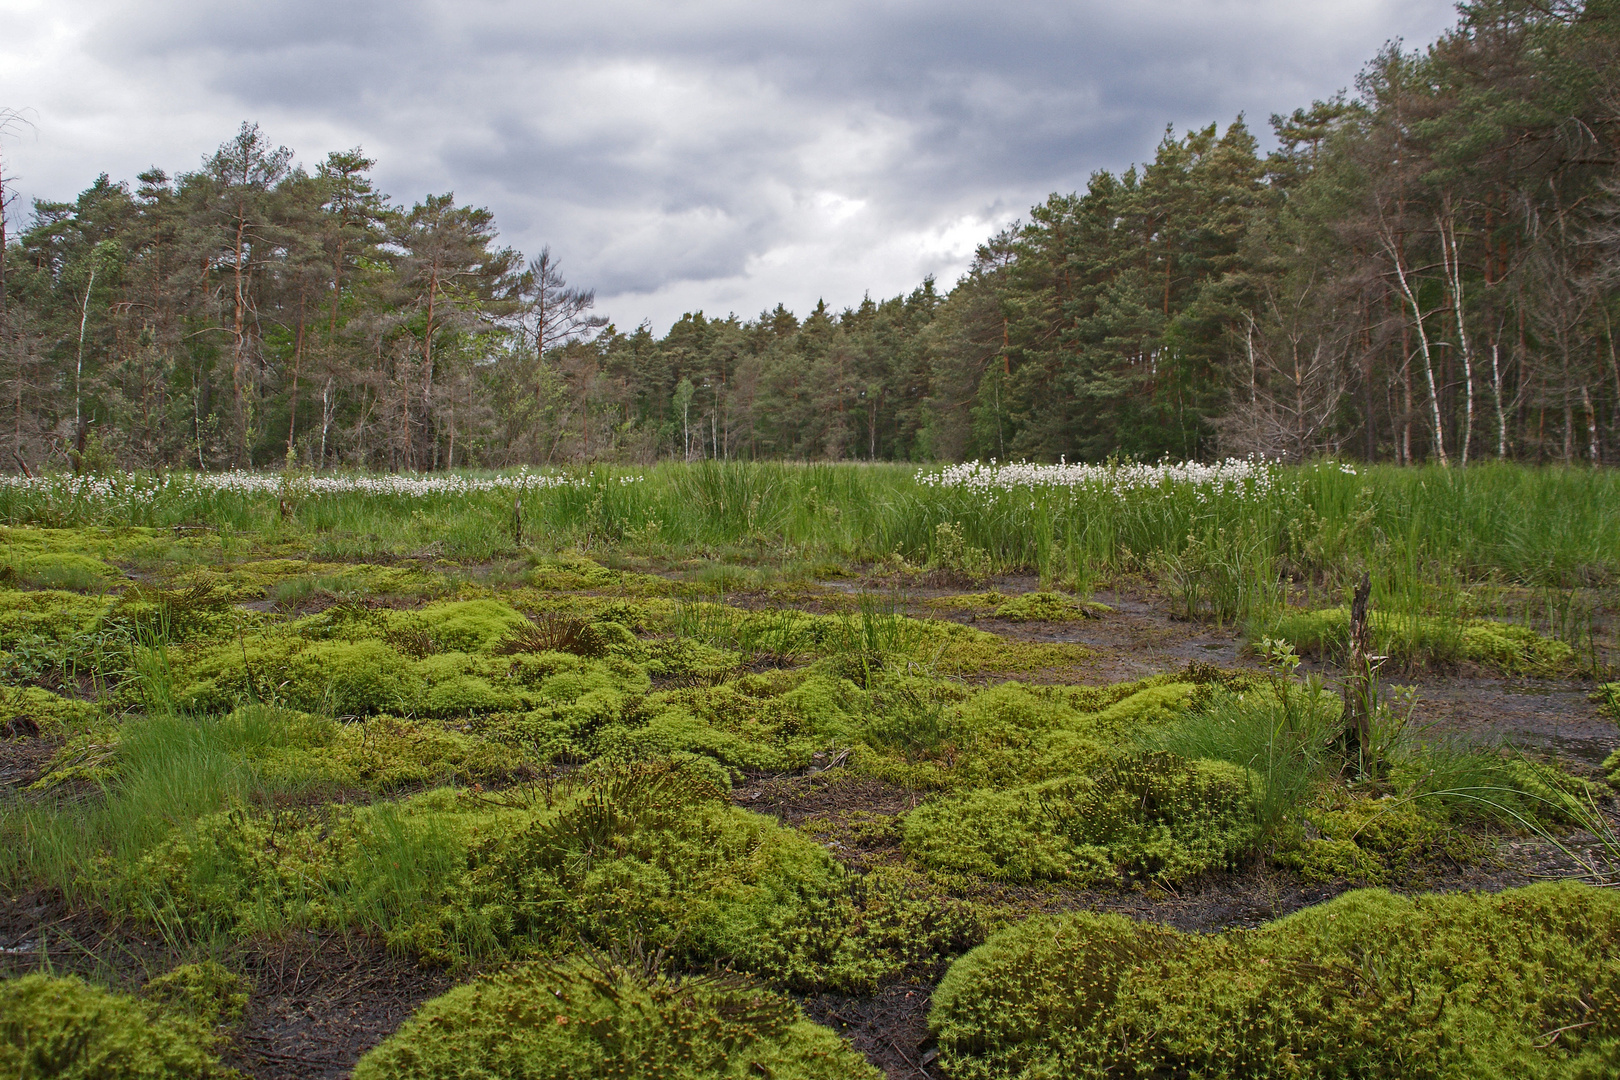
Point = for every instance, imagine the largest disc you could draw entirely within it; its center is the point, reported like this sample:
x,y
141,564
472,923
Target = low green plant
x,y
208,992
1519,983
1372,841
68,1029
1047,607
1280,733
951,553
1154,816
1417,640
67,571
592,1017
647,851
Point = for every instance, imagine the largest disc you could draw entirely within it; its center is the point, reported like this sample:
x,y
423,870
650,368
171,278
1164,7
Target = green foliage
x,y
588,1019
1608,698
1519,983
208,992
952,553
1046,607
1373,842
66,571
1416,640
1280,733
770,721
1155,816
928,734
66,1028
1221,578
633,852
28,710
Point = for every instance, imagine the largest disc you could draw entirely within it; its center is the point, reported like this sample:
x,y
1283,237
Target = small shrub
x,y
583,1018
554,633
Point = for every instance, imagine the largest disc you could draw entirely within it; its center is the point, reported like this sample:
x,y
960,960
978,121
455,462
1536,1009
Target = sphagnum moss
x,y
593,1018
68,1029
1520,983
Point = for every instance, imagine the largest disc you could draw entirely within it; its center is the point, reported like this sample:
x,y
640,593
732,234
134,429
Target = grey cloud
x,y
658,144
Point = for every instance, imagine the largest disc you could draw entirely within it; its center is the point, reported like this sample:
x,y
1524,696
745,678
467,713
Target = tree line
x,y
1426,269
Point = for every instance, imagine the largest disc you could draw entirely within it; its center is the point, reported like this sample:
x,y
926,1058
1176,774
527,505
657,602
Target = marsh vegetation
x,y
733,769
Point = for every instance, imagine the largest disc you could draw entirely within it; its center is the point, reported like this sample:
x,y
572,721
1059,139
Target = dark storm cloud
x,y
711,153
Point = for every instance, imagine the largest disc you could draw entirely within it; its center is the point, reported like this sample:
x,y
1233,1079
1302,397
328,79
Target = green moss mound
x,y
585,1018
66,571
1521,983
439,661
67,1029
624,851
1153,815
1046,607
1373,842
28,710
1420,639
208,992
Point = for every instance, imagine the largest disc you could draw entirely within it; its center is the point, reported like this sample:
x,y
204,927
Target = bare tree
x,y
553,313
1297,354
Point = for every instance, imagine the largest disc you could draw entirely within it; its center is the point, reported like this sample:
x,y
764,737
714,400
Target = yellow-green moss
x,y
647,852
469,626
584,1018
1154,816
28,710
1516,650
208,992
68,1029
1608,698
1047,607
772,721
1011,734
570,570
1373,842
66,571
49,615
1520,983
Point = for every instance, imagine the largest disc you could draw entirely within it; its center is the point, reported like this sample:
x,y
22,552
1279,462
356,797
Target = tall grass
x,y
1421,530
163,771
1281,733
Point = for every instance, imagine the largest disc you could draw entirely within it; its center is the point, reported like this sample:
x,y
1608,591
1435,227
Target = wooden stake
x,y
1358,688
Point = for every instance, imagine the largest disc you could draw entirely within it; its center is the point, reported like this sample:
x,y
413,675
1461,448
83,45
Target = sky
x,y
680,155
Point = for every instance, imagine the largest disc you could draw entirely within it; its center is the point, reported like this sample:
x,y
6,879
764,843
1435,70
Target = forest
x,y
1423,270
